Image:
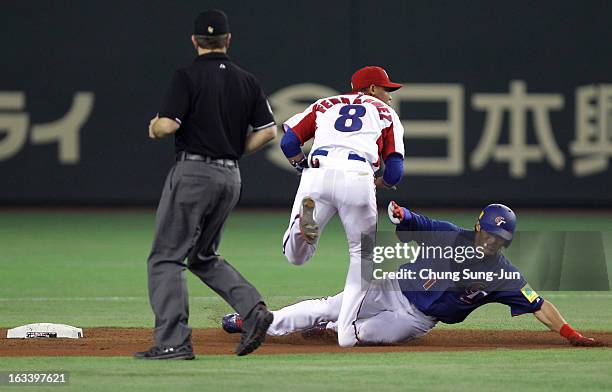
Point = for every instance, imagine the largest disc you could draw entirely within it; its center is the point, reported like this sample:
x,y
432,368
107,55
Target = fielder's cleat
x,y
232,323
254,328
316,331
308,226
171,352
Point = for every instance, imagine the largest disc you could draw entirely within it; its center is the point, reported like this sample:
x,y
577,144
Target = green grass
x,y
89,269
499,370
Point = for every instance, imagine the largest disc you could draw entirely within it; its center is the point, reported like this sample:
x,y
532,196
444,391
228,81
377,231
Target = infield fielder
x,y
352,133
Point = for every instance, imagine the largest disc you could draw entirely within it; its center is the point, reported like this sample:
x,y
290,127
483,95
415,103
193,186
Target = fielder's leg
x,y
356,201
298,248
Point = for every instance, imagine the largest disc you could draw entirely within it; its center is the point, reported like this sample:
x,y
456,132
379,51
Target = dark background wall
x,y
98,69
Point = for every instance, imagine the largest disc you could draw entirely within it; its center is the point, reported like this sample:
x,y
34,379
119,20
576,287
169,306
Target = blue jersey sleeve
x,y
522,301
421,228
394,168
416,222
290,144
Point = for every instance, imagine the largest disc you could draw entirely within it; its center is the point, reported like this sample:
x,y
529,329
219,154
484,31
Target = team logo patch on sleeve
x,y
529,293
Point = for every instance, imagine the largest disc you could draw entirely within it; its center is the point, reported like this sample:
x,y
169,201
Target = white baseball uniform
x,y
385,315
351,132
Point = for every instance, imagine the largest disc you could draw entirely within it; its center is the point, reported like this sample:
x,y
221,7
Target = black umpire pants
x,y
196,200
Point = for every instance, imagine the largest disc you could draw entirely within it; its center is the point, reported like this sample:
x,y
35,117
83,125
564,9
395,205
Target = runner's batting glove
x,y
396,213
576,339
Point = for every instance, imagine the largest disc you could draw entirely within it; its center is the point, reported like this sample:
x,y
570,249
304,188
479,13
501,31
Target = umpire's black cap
x,y
211,22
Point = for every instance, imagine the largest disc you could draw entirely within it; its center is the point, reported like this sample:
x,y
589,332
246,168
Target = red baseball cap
x,y
372,75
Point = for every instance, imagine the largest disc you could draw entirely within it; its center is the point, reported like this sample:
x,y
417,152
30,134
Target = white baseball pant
x,y
345,187
385,316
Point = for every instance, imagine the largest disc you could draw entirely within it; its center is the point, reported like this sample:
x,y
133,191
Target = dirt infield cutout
x,y
105,342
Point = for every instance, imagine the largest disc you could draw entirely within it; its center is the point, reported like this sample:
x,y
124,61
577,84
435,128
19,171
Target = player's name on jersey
x,y
383,110
455,276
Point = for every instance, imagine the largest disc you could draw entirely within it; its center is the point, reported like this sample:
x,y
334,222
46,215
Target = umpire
x,y
209,107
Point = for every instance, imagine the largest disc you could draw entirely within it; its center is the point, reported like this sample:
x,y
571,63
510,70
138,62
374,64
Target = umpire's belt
x,y
187,156
351,156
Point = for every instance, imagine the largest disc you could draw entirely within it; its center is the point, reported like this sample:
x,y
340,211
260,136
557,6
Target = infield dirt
x,y
102,342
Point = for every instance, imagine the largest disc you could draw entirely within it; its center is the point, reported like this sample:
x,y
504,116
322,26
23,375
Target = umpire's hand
x,y
151,134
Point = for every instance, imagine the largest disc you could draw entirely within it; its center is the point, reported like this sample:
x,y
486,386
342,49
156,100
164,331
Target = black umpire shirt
x,y
215,102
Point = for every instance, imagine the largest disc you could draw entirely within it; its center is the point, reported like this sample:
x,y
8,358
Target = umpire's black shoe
x,y
171,352
254,328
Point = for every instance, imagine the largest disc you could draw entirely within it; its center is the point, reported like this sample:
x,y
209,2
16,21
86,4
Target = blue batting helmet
x,y
499,220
